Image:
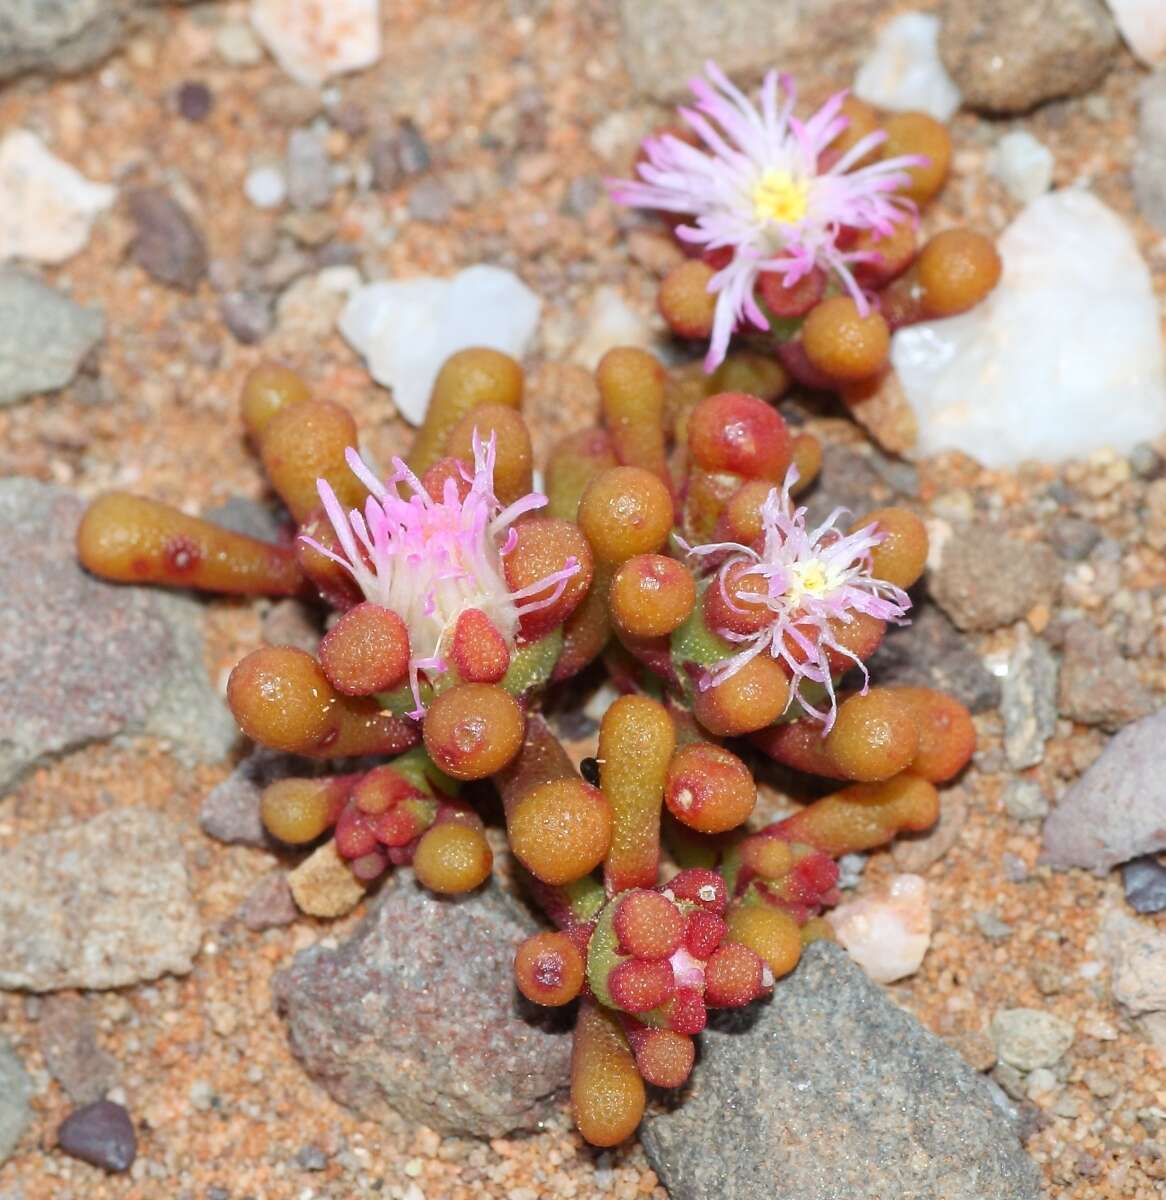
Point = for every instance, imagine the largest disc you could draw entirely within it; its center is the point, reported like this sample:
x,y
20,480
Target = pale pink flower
x,y
431,560
758,188
814,578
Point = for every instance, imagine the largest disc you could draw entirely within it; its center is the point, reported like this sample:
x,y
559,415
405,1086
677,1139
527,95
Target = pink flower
x,y
431,560
758,189
815,579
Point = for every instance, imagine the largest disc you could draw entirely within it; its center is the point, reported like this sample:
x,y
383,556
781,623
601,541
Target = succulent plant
x,y
670,547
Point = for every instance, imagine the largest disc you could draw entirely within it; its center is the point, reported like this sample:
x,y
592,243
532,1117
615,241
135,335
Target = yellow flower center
x,y
810,579
778,196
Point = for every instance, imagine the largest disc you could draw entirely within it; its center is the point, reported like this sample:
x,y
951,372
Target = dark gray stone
x,y
194,100
44,336
417,1014
849,479
931,652
1117,809
1144,880
167,244
833,1092
84,660
15,1090
67,1036
986,579
100,1134
1007,56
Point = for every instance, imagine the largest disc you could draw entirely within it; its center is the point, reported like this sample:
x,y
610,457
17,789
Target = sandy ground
x,y
223,1110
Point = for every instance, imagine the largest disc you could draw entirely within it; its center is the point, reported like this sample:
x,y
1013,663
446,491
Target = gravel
x,y
791,1099
417,1013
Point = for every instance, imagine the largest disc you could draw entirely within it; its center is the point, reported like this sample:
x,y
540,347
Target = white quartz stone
x,y
887,935
313,40
1023,165
265,186
1143,25
611,321
1065,357
406,328
904,71
47,208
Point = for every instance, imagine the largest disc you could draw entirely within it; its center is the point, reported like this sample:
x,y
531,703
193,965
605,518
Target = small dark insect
x,y
589,769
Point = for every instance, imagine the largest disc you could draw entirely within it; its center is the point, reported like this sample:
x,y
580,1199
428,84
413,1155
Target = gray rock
x,y
1115,811
396,155
59,38
931,652
167,244
1007,56
914,853
248,517
852,479
67,1036
309,170
1136,953
83,660
417,1013
832,1091
269,904
1149,166
100,1134
250,316
430,200
1024,800
98,905
1028,702
1073,538
986,579
1097,685
230,812
44,336
665,42
15,1090
1027,1038
1144,881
